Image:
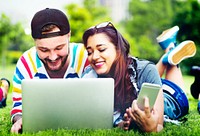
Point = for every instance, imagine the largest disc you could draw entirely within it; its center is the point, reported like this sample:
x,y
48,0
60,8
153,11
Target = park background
x,y
141,22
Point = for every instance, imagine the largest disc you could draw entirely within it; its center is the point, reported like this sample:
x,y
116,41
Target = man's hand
x,y
17,126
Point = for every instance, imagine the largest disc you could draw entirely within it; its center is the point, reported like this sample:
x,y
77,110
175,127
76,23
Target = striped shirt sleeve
x,y
25,68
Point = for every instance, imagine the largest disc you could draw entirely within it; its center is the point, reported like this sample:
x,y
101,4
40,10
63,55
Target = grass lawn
x,y
190,128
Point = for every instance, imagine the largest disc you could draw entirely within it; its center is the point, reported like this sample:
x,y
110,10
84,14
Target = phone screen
x,y
148,90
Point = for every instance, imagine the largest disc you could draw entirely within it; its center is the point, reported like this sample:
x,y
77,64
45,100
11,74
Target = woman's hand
x,y
146,120
125,123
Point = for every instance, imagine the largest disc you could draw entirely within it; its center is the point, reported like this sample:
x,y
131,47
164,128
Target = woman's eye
x,y
89,52
101,50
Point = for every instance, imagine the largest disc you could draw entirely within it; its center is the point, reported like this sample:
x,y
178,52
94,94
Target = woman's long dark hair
x,y
124,90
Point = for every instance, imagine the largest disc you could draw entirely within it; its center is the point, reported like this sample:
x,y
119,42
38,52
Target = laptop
x,y
67,104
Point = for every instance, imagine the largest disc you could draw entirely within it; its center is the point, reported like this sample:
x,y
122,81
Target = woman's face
x,y
101,53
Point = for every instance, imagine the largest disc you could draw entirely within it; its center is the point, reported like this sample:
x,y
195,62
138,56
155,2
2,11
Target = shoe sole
x,y
185,50
167,33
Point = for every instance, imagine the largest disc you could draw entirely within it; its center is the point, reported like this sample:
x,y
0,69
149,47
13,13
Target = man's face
x,y
53,51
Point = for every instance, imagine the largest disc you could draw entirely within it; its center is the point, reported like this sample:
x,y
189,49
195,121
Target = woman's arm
x,y
148,120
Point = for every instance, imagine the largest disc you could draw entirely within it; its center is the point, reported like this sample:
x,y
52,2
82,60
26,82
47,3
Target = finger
x,y
125,117
136,111
147,109
17,126
126,128
127,121
12,129
134,105
129,112
15,129
126,125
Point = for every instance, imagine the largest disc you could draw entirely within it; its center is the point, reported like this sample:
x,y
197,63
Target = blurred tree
x,y
12,37
98,12
187,17
146,21
4,40
5,28
148,18
78,18
83,17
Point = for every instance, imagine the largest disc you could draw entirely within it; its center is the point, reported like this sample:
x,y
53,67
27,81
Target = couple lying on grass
x,y
107,52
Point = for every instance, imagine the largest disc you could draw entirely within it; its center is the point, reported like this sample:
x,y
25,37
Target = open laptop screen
x,y
67,103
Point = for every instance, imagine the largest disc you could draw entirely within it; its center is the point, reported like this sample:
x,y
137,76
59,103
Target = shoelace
x,y
176,122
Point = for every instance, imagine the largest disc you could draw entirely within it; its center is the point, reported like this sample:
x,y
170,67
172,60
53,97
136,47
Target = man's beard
x,y
63,62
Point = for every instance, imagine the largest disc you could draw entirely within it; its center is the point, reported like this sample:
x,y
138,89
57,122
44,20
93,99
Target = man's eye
x,y
43,50
59,48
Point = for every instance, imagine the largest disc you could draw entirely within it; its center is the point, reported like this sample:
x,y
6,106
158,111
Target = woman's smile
x,y
99,64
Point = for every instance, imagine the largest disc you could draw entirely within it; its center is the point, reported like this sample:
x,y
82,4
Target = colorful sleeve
x,y
79,60
17,93
23,70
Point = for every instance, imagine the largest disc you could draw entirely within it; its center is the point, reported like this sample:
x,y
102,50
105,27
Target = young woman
x,y
108,54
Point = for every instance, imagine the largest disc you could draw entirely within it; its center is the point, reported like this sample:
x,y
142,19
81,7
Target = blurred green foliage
x,y
146,20
83,17
12,38
13,56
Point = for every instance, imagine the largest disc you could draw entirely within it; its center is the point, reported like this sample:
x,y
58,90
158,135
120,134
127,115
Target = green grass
x,y
190,128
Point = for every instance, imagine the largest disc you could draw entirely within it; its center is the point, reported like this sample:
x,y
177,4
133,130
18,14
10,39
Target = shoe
x,y
195,88
168,37
5,85
184,50
6,81
195,71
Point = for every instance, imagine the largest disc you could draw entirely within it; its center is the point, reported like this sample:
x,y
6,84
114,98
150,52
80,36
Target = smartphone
x,y
149,90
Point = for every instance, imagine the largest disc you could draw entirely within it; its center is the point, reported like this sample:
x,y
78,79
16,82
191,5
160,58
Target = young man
x,y
52,57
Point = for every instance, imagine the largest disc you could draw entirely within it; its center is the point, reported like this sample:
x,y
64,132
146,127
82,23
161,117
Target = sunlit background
x,y
140,22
